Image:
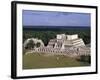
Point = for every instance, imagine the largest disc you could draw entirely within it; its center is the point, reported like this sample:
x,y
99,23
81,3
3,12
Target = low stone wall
x,y
67,51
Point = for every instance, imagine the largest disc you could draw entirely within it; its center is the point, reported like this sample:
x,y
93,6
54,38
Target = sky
x,y
52,18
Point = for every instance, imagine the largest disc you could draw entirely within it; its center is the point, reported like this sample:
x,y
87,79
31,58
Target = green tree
x,y
38,44
30,45
85,59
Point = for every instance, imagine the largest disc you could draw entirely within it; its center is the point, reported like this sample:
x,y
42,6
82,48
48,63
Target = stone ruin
x,y
63,44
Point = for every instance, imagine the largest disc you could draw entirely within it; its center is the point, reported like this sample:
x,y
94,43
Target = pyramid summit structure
x,y
62,41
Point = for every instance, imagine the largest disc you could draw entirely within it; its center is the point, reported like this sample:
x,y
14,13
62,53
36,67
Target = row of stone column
x,y
65,51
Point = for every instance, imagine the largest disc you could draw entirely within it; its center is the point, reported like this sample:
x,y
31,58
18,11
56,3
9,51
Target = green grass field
x,y
33,61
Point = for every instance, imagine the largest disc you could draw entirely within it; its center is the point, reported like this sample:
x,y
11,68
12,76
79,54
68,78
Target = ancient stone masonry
x,y
63,45
35,40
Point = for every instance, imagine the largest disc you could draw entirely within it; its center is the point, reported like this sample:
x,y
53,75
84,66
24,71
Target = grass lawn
x,y
33,61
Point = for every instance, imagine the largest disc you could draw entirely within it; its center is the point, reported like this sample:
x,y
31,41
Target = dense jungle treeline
x,y
45,34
